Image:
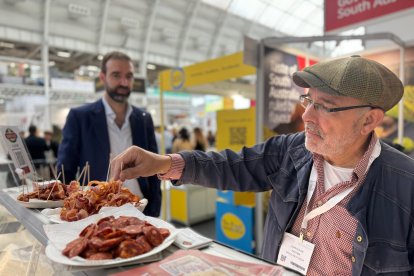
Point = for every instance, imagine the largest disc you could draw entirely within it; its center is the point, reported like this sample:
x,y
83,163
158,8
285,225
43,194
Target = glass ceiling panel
x,y
285,16
289,17
247,8
222,4
304,10
270,17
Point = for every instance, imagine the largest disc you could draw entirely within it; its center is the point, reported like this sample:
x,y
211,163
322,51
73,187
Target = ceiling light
x,y
93,68
63,54
99,57
52,63
151,66
76,10
170,33
6,45
129,23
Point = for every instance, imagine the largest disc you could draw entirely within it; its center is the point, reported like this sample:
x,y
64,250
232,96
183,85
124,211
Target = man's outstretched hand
x,y
135,162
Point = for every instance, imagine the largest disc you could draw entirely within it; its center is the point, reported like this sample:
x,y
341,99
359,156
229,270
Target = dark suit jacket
x,y
86,138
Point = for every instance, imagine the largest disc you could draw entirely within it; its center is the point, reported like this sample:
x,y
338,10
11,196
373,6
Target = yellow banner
x,y
236,128
210,71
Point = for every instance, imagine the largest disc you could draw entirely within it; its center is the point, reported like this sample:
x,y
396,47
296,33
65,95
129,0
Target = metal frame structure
x,y
274,42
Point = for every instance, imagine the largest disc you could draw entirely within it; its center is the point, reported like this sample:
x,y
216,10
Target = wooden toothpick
x,y
63,174
54,184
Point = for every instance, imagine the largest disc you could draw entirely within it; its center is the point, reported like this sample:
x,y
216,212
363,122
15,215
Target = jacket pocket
x,y
386,259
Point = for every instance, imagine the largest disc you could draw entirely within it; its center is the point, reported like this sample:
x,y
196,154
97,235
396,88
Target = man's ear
x,y
372,119
102,77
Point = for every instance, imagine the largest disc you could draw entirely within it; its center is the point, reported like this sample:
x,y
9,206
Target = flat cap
x,y
354,77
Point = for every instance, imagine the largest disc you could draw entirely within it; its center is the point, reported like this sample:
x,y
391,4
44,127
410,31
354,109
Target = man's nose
x,y
308,113
124,81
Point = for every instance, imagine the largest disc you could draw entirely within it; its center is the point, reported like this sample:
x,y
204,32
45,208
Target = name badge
x,y
295,253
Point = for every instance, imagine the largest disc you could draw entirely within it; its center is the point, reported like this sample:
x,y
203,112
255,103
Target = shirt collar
x,y
111,114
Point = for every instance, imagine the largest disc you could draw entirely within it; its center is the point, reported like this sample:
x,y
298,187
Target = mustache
x,y
314,129
122,87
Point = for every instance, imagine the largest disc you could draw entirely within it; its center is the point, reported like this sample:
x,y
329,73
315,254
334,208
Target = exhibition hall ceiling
x,y
155,32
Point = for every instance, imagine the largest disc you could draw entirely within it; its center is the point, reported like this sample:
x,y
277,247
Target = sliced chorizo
x,y
164,232
75,247
88,231
128,249
110,218
143,244
132,229
153,235
100,256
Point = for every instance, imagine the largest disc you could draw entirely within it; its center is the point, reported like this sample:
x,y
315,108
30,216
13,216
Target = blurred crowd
x,y
183,139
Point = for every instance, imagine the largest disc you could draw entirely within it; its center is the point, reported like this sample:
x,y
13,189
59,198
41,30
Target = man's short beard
x,y
117,97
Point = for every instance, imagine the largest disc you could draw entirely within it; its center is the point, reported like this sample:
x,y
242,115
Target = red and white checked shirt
x,y
333,231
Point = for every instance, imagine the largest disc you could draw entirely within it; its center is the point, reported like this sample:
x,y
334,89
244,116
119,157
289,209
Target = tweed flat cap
x,y
354,77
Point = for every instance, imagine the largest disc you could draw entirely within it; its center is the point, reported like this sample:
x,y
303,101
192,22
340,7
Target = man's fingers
x,y
131,173
122,161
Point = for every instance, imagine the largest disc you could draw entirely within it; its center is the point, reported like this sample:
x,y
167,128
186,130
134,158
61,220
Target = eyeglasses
x,y
306,101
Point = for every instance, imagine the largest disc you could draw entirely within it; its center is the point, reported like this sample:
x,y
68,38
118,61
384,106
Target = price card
x,y
189,239
15,147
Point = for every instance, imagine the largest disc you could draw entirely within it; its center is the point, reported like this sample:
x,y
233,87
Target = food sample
x,y
47,190
83,203
111,237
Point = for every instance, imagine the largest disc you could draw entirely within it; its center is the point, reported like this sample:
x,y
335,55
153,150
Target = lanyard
x,y
323,208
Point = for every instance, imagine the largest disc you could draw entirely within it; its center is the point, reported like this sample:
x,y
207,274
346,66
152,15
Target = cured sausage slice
x,y
129,248
100,256
75,247
153,235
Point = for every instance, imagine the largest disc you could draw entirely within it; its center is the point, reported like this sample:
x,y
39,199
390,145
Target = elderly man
x,y
342,201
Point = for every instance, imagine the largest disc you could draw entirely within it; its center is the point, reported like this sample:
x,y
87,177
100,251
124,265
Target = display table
x,y
33,221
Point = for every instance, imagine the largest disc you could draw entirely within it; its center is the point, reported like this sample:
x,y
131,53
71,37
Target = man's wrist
x,y
166,165
175,169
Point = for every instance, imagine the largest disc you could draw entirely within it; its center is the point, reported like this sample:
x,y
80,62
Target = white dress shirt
x,y
119,140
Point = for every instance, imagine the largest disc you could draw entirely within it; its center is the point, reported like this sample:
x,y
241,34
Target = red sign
x,y
342,13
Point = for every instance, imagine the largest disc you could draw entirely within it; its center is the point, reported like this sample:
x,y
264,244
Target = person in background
x,y
96,131
36,147
211,138
340,194
52,145
200,142
174,134
51,153
182,142
167,139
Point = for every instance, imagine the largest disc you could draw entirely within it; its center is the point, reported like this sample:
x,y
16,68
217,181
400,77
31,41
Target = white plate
x,y
56,255
32,203
37,203
54,214
61,234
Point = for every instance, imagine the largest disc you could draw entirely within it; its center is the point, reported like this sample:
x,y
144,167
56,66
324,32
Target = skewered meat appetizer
x,y
48,190
80,204
109,238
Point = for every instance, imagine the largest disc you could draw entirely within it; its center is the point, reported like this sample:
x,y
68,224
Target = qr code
x,y
20,159
238,135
